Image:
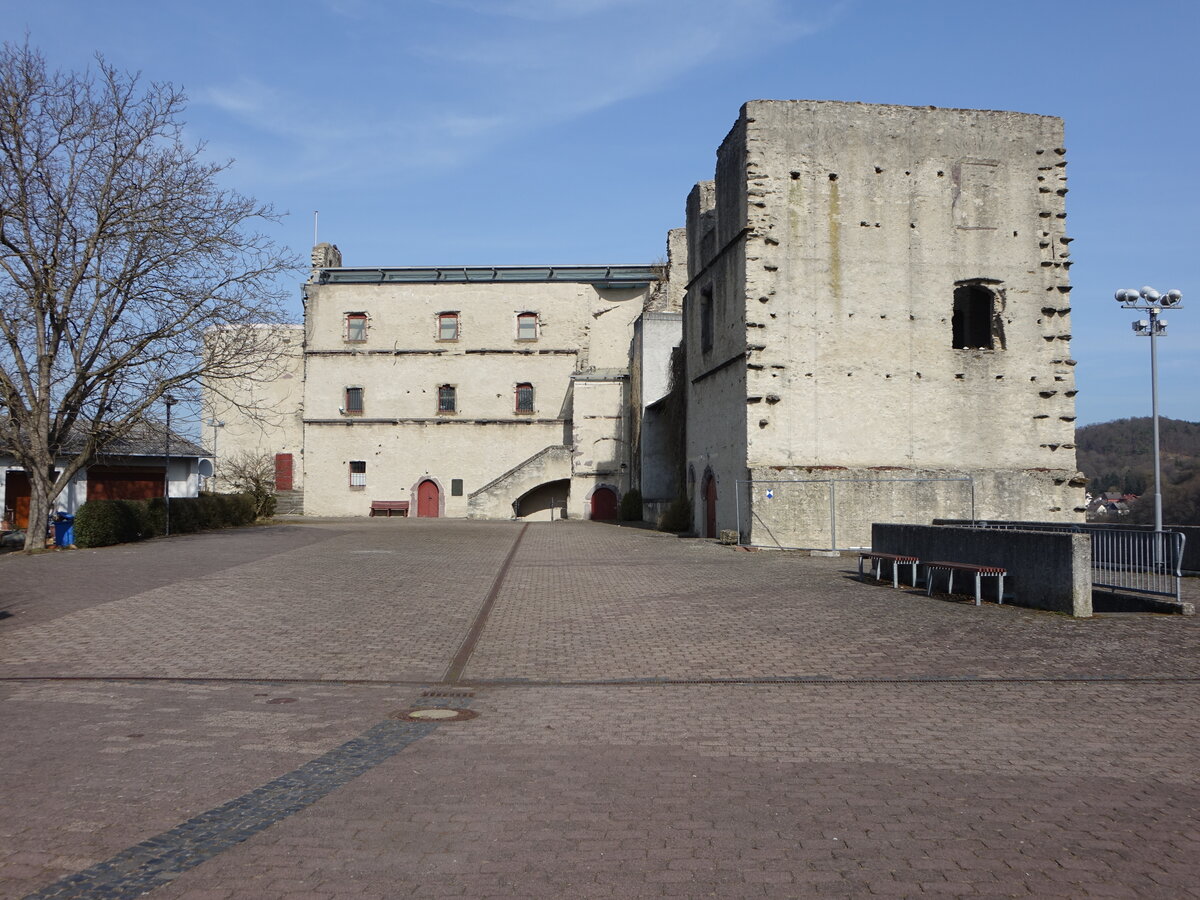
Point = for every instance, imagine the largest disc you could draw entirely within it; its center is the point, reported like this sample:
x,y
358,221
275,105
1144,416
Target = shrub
x,y
678,516
100,523
631,506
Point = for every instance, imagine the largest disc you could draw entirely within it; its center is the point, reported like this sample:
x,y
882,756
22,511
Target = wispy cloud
x,y
467,74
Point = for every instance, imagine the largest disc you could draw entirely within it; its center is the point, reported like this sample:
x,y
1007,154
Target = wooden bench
x,y
979,572
897,560
389,507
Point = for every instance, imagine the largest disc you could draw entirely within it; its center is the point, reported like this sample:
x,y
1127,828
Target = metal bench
x,y
896,559
379,507
980,572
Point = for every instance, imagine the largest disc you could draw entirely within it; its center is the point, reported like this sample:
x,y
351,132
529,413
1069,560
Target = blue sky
x,y
570,131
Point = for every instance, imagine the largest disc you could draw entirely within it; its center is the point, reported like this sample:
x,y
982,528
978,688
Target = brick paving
x,y
209,738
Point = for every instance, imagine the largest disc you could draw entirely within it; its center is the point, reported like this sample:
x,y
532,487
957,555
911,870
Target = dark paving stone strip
x,y
164,857
463,656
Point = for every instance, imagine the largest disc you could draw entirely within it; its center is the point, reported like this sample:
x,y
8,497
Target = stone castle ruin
x,y
869,313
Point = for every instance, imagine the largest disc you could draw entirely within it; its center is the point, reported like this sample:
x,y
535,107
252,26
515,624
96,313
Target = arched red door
x,y
428,497
604,504
710,506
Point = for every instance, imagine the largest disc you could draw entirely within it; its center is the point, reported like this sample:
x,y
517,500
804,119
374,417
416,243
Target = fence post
x,y
737,508
832,514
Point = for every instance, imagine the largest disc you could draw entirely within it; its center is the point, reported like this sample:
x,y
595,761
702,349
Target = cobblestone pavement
x,y
219,716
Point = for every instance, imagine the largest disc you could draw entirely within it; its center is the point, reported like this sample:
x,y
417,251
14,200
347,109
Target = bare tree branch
x,y
120,257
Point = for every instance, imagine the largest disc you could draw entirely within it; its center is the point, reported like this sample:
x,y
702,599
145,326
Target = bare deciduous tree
x,y
254,474
119,250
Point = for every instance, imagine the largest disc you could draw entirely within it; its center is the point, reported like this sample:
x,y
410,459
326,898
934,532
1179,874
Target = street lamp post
x,y
169,401
1153,302
215,424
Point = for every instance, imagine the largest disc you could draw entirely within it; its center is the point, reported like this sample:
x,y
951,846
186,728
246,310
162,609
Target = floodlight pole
x,y
1158,523
1152,302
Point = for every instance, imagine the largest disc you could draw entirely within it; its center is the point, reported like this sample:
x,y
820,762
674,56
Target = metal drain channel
x,y
463,656
480,683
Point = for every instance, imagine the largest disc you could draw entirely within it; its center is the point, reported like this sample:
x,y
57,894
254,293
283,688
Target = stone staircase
x,y
289,503
494,499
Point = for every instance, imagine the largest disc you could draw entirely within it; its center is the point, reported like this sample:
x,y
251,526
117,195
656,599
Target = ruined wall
x,y
263,414
400,434
715,337
867,227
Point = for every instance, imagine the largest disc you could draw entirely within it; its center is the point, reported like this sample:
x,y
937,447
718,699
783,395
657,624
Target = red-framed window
x,y
527,326
524,398
447,326
356,327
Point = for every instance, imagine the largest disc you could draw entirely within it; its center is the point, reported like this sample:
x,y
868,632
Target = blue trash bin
x,y
64,530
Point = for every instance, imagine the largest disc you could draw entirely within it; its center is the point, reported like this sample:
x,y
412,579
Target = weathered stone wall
x,y
261,415
715,340
857,225
400,433
834,507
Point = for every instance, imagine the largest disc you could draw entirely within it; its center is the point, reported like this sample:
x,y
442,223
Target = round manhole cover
x,y
435,714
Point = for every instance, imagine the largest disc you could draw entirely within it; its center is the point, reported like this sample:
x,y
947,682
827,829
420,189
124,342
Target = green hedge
x,y
103,522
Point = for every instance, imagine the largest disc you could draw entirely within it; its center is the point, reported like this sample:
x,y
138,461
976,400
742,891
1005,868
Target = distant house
x,y
132,467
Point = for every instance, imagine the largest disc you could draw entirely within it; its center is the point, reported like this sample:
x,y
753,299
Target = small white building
x,y
133,467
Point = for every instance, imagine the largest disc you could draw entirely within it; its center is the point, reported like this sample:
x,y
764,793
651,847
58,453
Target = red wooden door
x,y
604,504
16,498
283,471
428,496
710,506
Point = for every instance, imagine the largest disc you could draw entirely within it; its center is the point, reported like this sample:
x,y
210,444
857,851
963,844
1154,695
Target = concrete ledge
x,y
1048,570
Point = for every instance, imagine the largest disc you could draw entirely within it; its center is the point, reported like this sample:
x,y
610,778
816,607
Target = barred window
x,y
447,398
356,327
527,326
448,326
358,473
524,398
354,401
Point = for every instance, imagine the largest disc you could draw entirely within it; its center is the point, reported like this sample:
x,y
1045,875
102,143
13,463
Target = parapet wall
x,y
1190,563
1047,570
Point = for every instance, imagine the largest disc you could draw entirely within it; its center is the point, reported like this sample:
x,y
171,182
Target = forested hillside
x,y
1118,456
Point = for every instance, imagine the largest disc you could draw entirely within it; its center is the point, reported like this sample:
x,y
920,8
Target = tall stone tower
x,y
877,323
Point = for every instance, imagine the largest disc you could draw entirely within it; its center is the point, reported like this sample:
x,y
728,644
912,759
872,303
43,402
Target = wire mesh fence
x,y
836,514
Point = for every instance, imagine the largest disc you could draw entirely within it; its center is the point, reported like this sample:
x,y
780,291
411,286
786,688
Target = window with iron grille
x,y
356,327
447,326
354,401
525,398
527,326
358,473
447,398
